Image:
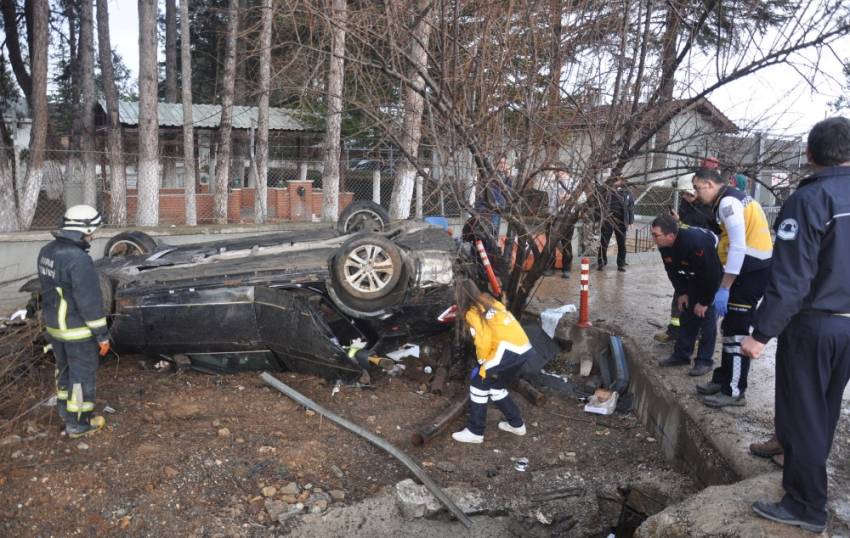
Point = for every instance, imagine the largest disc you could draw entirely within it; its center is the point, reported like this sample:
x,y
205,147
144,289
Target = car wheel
x,y
368,266
362,216
129,244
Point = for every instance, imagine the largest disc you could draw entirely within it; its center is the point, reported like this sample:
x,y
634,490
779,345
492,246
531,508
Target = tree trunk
x,y
169,165
553,96
148,177
222,165
262,159
86,108
13,45
8,213
330,174
117,171
412,122
668,57
29,187
188,127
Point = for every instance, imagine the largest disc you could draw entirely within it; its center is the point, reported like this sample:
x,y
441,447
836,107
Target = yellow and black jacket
x,y
498,336
759,245
70,290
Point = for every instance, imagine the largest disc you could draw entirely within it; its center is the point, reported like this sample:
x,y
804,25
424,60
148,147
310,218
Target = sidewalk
x,y
635,304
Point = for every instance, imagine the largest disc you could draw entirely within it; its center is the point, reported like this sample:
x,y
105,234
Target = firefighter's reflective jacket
x,y
71,298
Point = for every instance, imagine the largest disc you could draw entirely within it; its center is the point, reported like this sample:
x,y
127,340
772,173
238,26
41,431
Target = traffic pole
x,y
491,275
584,309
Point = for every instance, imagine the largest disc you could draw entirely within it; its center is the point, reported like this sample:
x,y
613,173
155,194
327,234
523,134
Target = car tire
x,y
367,267
129,244
362,216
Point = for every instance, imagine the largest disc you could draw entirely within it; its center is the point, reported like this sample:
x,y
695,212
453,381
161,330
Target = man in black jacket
x,y
697,215
618,213
807,305
691,261
74,318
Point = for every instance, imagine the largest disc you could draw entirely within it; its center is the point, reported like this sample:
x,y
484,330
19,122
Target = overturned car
x,y
290,300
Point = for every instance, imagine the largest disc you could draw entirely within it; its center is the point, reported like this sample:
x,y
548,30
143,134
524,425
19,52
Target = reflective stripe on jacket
x,y
494,332
70,290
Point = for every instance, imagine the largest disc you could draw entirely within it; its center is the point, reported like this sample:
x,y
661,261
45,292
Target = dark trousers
x,y
675,320
618,230
76,366
564,243
691,327
812,369
494,388
744,294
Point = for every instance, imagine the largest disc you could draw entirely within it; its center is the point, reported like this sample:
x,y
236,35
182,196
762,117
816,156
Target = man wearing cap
x,y
74,318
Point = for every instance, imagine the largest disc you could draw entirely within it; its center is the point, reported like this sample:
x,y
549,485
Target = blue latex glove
x,y
721,302
474,372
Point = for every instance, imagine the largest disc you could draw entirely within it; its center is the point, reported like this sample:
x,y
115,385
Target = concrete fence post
x,y
376,186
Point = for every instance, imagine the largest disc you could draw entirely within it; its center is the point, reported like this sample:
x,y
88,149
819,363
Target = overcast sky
x,y
781,99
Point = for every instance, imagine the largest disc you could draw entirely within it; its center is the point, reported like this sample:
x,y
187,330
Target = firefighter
x,y
501,347
807,306
74,318
745,249
691,261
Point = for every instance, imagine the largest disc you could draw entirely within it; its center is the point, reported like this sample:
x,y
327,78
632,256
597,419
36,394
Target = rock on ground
x,y
722,511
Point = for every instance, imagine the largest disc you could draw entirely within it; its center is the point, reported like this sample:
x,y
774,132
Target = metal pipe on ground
x,y
434,427
375,440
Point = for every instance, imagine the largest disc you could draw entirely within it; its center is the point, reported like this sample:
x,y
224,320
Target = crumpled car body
x,y
291,300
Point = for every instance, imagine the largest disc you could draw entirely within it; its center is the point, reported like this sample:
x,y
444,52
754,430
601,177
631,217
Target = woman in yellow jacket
x,y
501,347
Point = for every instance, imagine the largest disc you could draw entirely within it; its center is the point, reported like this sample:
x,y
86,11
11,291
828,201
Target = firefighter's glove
x,y
104,348
474,373
721,302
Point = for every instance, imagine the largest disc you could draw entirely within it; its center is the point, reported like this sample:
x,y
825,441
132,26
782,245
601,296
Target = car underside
x,y
291,300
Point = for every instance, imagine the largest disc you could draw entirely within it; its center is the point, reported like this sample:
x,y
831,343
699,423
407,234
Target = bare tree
x,y
148,175
188,123
169,167
28,189
222,164
117,171
411,131
262,158
85,112
333,122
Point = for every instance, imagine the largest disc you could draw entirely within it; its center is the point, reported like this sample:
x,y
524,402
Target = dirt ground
x,y
189,454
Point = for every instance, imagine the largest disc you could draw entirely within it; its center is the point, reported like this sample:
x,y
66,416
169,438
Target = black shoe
x,y
708,388
599,267
565,274
776,512
548,272
673,361
622,269
700,369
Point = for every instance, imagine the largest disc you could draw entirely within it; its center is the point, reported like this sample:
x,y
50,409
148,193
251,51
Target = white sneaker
x,y
466,436
505,427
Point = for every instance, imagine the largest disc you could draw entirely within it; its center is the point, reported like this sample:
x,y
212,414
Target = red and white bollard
x,y
584,309
491,275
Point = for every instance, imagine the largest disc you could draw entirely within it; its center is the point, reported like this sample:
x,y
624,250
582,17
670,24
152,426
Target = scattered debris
x,y
108,409
407,350
377,441
550,317
602,402
521,464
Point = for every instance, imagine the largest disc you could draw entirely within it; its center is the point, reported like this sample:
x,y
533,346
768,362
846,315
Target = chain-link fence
x,y
294,179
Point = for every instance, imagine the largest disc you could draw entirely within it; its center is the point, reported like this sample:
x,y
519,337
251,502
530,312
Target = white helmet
x,y
82,218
